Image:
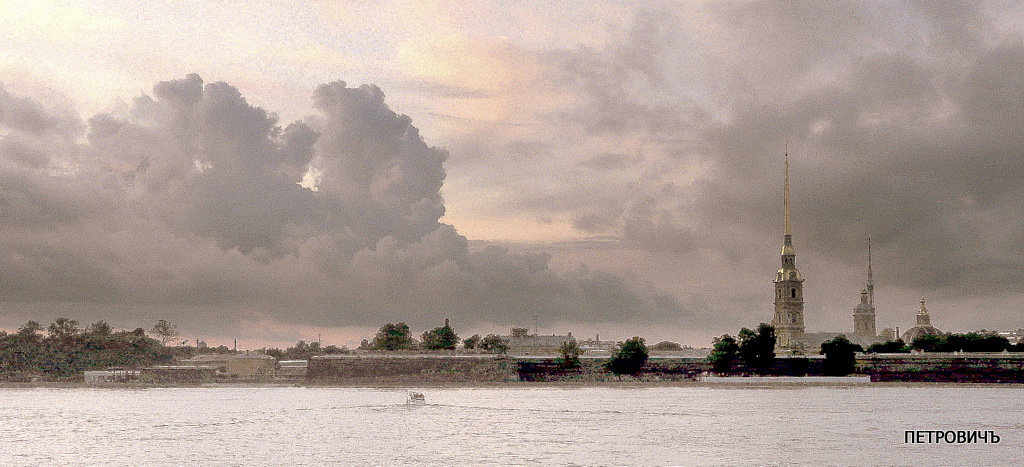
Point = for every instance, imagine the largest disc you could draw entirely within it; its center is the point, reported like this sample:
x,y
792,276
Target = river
x,y
515,425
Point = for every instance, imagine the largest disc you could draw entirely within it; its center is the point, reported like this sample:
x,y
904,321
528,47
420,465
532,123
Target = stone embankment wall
x,y
592,370
402,369
960,368
412,369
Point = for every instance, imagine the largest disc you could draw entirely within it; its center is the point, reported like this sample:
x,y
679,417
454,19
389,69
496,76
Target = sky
x,y
276,171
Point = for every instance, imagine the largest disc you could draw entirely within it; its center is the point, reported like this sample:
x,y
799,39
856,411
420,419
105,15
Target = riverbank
x,y
716,382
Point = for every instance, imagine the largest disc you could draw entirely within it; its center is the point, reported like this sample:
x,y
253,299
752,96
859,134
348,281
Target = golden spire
x,y
787,232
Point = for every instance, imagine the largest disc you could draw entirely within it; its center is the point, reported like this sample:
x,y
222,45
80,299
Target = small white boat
x,y
416,398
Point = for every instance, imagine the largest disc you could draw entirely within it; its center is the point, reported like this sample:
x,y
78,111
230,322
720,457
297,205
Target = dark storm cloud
x,y
191,203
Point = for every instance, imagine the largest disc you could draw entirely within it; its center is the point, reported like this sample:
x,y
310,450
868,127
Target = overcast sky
x,y
276,171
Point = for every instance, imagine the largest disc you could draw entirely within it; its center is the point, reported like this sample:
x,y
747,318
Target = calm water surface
x,y
858,425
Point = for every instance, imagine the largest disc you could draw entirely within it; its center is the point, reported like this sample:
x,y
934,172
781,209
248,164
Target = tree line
x,y
755,349
398,336
629,358
64,349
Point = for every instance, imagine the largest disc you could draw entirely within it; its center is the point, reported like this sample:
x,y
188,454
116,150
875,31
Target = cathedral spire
x,y
871,282
789,295
788,232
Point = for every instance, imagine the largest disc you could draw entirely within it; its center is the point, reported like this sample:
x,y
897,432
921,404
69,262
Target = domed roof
x,y
918,331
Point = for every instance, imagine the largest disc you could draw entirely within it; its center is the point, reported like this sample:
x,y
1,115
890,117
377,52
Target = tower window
x,y
793,292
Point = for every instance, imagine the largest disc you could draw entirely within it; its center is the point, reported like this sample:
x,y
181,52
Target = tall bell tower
x,y
789,288
864,313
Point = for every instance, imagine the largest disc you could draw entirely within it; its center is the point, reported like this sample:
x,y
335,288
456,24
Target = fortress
x,y
788,320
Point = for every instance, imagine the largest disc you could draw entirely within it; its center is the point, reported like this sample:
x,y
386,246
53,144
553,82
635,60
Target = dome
x,y
918,331
924,326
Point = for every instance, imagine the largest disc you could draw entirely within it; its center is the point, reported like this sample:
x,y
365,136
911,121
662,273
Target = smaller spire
x,y
871,282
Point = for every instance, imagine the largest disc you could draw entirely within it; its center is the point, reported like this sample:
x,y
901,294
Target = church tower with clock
x,y
789,289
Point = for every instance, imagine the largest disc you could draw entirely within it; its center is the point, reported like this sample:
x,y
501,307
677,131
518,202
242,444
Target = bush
x,y
471,342
494,343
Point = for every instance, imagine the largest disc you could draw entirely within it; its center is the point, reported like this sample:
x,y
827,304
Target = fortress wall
x,y
964,368
592,370
411,369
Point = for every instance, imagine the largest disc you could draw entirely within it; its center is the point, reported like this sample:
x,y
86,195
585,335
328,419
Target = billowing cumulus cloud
x,y
644,140
198,207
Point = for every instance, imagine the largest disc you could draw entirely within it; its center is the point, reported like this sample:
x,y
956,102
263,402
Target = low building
x,y
178,373
110,375
292,369
241,365
521,342
99,376
1015,336
598,348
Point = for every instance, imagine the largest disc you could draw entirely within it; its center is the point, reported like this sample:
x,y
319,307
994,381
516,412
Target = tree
x,y
440,338
392,337
631,357
278,354
757,349
928,343
100,329
896,346
165,331
840,359
724,353
335,350
63,329
471,342
30,328
981,341
570,351
494,343
301,350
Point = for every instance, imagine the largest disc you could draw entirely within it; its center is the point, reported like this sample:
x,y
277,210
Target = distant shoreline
x,y
725,383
